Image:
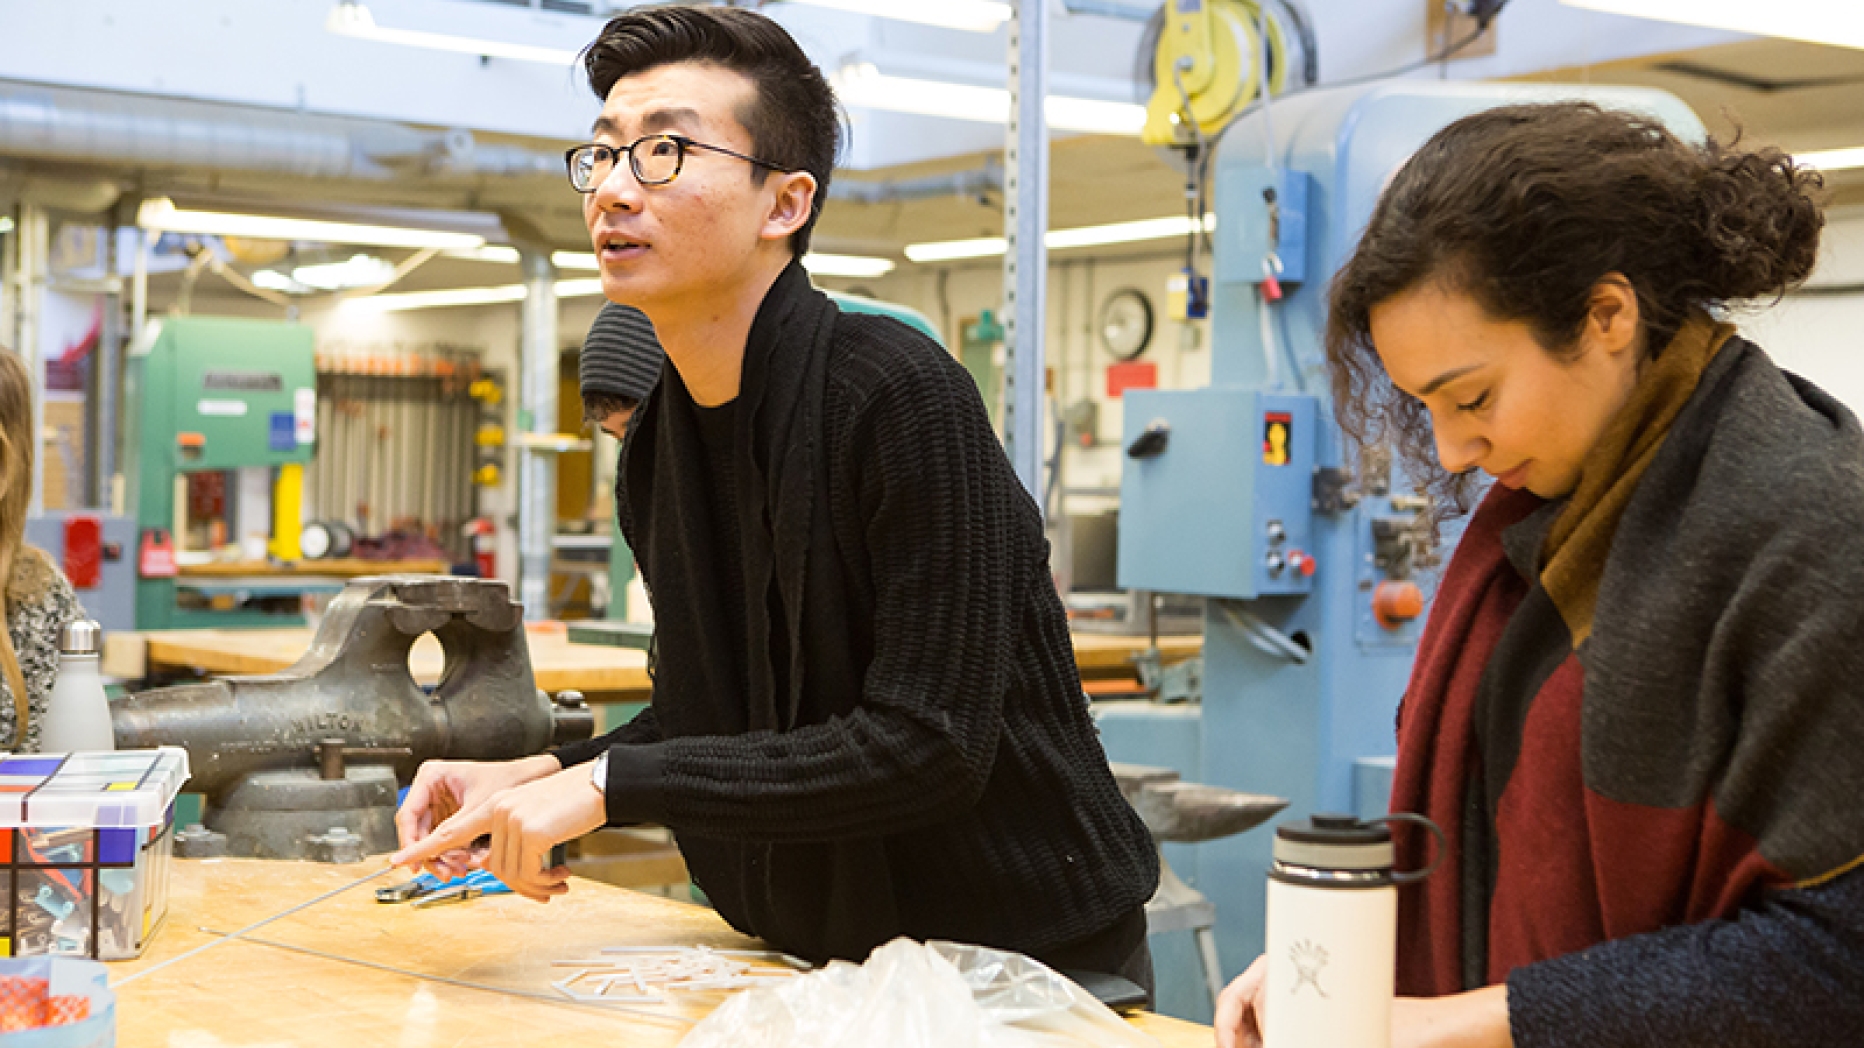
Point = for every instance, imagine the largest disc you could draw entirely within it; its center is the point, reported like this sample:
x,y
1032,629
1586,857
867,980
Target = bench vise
x,y
286,758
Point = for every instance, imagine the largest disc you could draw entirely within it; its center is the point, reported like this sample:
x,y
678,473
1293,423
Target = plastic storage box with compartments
x,y
86,840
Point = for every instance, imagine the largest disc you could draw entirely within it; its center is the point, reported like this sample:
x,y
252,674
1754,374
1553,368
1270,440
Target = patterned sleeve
x,y
34,626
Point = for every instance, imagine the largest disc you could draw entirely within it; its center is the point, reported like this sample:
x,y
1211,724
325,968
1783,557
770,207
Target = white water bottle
x,y
77,717
1332,934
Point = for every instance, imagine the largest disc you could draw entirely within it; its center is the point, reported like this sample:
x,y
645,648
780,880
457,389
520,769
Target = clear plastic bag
x,y
914,995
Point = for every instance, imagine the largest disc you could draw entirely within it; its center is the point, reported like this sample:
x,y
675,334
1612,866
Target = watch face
x,y
1126,323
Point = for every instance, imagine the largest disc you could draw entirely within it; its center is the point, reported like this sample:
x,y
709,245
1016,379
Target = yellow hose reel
x,y
1207,67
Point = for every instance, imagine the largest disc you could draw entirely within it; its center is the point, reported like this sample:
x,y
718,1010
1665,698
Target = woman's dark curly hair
x,y
1526,208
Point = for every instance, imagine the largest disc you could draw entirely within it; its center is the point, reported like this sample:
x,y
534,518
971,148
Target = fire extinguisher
x,y
484,536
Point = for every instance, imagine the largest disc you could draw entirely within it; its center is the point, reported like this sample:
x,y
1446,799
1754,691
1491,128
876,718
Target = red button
x,y
1396,603
1302,563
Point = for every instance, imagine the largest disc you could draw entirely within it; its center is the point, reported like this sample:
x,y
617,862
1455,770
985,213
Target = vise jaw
x,y
261,747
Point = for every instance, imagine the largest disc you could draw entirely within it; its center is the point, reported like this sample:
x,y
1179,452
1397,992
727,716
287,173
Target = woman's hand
x,y
1478,1019
1239,1008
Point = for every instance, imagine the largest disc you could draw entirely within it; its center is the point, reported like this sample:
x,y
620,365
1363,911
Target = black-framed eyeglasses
x,y
655,159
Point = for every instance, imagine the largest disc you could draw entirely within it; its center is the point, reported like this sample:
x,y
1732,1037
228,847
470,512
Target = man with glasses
x,y
866,719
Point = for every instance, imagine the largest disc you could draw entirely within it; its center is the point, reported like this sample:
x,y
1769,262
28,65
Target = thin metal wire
x,y
547,998
256,925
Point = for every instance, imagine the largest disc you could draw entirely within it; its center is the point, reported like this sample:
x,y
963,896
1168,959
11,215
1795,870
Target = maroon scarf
x,y
1641,779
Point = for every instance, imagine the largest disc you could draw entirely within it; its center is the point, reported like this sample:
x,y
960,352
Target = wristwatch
x,y
598,774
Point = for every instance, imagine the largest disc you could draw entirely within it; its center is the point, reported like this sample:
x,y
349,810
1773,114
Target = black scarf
x,y
780,482
779,470
804,656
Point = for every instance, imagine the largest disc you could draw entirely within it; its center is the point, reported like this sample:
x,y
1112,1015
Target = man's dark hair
x,y
794,123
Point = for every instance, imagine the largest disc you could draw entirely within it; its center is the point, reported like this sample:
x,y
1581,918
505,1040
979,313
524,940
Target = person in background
x,y
1637,710
866,720
620,366
38,600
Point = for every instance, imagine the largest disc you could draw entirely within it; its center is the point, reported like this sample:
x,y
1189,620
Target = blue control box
x,y
1217,502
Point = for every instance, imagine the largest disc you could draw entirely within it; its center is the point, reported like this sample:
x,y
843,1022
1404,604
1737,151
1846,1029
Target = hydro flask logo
x,y
1309,958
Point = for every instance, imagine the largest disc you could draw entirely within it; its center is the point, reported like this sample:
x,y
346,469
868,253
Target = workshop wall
x,y
1812,333
1078,289
494,330
1815,332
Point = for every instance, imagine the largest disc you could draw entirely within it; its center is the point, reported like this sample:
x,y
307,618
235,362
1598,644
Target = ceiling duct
x,y
975,183
117,130
1752,82
83,196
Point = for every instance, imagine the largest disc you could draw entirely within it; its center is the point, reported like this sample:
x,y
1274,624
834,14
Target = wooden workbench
x,y
243,994
332,568
600,672
1100,656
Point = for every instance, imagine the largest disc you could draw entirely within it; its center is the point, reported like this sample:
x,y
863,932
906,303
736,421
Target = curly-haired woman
x,y
1636,707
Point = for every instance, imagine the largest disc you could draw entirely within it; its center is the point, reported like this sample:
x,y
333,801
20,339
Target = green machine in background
x,y
980,350
912,318
207,395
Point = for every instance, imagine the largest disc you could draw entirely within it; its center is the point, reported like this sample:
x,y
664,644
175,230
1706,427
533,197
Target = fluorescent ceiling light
x,y
357,271
863,86
494,253
273,280
1832,159
957,250
160,214
977,16
1814,21
821,265
465,296
508,256
579,288
1126,232
1062,239
453,296
354,20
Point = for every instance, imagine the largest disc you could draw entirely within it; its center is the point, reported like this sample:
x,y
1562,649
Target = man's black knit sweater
x,y
935,773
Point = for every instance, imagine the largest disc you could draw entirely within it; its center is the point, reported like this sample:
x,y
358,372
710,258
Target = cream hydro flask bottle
x,y
1332,933
77,714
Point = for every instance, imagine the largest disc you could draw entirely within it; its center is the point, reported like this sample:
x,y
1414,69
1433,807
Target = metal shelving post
x,y
1025,224
537,477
